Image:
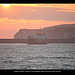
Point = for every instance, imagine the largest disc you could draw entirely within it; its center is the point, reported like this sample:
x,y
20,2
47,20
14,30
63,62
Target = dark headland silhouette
x,y
64,33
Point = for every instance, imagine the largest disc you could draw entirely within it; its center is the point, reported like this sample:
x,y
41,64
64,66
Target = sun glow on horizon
x,y
6,5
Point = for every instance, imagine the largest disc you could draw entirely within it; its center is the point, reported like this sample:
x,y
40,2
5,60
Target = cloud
x,y
11,24
49,12
8,27
62,6
66,10
70,7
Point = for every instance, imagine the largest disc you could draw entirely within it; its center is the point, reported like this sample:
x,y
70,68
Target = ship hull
x,y
36,41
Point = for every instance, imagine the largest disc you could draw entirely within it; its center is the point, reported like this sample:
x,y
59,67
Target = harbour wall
x,y
48,40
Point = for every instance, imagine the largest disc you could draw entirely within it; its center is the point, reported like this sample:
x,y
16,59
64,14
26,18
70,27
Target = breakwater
x,y
13,40
48,40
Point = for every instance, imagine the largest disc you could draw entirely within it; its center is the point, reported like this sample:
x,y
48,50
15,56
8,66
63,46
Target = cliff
x,y
64,31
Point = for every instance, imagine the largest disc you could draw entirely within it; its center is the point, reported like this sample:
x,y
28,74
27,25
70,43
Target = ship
x,y
38,38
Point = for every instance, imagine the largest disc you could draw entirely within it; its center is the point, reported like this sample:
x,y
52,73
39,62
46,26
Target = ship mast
x,y
40,31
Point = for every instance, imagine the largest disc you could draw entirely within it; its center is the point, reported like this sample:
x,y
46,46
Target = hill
x,y
64,31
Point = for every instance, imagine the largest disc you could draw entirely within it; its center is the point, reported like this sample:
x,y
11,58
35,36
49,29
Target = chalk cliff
x,y
64,31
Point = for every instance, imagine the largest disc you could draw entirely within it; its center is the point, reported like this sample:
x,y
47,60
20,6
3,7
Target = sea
x,y
45,56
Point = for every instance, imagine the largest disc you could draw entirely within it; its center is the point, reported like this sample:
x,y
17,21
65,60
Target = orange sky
x,y
32,16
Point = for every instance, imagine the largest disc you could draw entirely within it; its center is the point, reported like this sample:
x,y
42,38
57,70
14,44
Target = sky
x,y
14,17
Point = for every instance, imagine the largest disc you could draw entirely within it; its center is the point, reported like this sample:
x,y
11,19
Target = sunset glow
x,y
33,16
5,5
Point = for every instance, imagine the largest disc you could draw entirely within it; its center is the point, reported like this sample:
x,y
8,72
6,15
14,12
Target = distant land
x,y
64,33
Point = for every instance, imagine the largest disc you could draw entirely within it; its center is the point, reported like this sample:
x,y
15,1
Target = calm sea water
x,y
50,56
